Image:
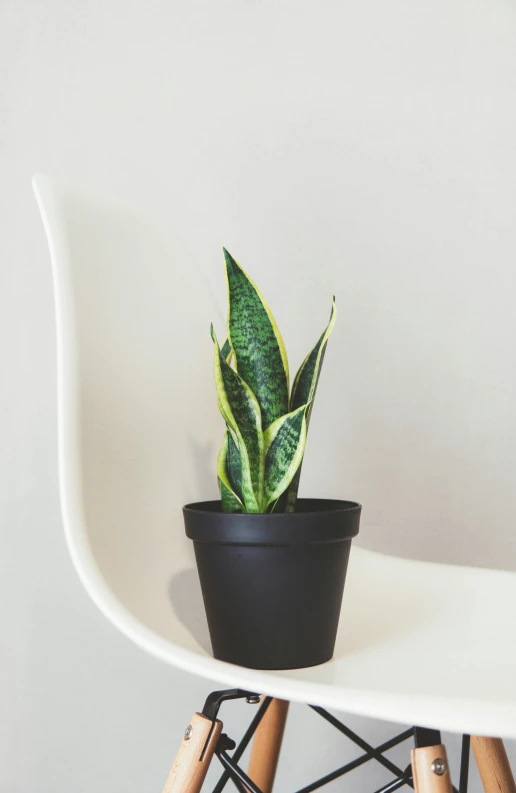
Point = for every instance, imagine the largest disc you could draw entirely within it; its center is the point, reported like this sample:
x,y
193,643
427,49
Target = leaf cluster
x,y
259,463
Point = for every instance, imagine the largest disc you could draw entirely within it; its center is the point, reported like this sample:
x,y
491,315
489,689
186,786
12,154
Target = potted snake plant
x,y
271,566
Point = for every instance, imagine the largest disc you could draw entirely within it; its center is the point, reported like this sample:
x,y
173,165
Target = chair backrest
x,y
138,423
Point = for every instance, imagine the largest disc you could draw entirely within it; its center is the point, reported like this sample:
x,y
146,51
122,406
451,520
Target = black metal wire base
x,y
240,780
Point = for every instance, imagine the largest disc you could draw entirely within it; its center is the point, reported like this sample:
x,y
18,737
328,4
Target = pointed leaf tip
x,y
232,266
227,256
304,388
256,342
226,351
306,379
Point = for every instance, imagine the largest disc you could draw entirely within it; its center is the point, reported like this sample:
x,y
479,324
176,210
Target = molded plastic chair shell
x,y
419,643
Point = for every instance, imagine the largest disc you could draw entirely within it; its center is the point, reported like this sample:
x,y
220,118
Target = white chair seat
x,y
419,643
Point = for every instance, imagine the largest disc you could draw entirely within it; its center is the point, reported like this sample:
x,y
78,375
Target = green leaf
x,y
284,447
280,503
234,465
260,354
230,500
241,413
303,391
305,382
226,351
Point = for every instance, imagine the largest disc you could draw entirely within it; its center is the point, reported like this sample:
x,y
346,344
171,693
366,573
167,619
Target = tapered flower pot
x,y
272,584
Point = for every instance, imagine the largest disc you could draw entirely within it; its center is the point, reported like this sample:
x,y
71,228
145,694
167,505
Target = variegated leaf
x,y
303,391
260,354
241,413
230,500
226,351
284,447
234,465
306,379
280,503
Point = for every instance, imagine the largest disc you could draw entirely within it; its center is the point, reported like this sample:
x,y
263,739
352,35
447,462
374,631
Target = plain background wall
x,y
365,148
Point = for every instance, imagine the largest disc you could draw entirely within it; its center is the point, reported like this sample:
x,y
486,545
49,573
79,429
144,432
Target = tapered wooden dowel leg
x,y
493,765
267,744
430,770
193,759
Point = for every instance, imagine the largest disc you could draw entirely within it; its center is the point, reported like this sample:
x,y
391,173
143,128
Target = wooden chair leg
x,y
193,759
493,765
267,745
430,770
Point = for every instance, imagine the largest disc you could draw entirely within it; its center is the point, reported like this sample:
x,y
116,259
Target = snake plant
x,y
259,463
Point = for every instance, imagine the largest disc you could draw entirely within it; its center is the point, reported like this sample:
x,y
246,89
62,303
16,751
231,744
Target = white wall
x,y
366,148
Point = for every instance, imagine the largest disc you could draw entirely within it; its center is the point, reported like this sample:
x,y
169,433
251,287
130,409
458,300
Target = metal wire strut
x,y
464,764
369,755
238,776
373,753
243,784
242,746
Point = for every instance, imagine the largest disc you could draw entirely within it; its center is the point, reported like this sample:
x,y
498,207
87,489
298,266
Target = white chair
x,y
419,643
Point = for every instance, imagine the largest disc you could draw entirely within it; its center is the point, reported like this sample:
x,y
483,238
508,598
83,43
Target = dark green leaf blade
x,y
231,499
230,502
234,466
260,354
226,351
306,379
241,413
284,444
304,389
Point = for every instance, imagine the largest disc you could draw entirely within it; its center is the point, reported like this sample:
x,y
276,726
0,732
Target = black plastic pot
x,y
272,584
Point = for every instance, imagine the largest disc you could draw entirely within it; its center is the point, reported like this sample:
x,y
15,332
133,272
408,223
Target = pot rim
x,y
329,505
321,521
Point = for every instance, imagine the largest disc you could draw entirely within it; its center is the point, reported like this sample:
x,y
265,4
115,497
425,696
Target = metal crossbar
x,y
464,764
237,775
357,762
375,753
391,786
242,746
243,784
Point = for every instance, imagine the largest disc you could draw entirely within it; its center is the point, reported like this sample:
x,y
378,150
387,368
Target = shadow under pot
x,y
272,584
